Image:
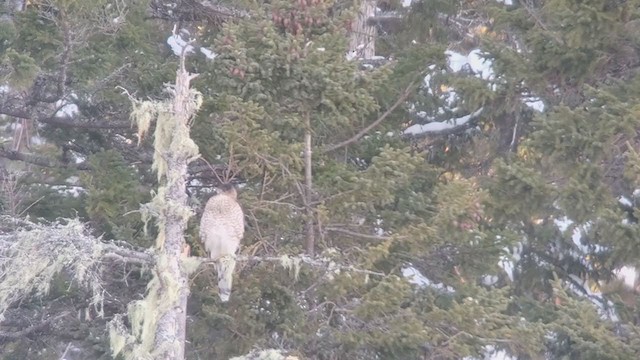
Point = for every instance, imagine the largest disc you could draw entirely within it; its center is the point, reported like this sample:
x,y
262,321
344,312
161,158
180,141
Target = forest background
x,y
464,175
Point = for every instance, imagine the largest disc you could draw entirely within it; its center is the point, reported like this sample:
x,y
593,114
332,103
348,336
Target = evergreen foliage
x,y
504,234
113,196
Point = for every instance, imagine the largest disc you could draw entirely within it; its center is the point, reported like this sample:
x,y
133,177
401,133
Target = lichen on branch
x,y
158,322
32,254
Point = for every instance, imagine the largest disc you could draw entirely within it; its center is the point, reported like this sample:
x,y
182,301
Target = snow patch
x,y
628,275
480,65
351,55
208,53
177,43
67,108
625,201
491,353
534,103
415,277
79,159
269,354
508,261
437,126
489,280
72,190
474,61
576,236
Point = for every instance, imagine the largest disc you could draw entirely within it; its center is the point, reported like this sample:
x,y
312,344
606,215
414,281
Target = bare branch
x,y
14,335
361,235
128,255
382,117
66,122
41,160
293,261
76,123
195,169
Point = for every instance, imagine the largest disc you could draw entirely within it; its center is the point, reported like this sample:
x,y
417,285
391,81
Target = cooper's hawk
x,y
221,229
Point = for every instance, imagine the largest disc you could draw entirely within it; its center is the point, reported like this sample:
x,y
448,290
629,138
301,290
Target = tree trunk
x,y
171,326
308,187
157,323
363,35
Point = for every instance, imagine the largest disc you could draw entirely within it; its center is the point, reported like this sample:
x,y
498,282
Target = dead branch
x,y
41,160
66,122
14,335
128,255
361,235
197,170
407,92
291,261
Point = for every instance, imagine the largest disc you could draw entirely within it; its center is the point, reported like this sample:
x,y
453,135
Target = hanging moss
x,y
40,251
174,149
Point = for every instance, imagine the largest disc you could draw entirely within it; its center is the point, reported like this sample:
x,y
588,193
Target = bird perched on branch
x,y
221,229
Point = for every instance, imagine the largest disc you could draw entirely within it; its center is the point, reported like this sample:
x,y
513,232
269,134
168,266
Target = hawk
x,y
221,229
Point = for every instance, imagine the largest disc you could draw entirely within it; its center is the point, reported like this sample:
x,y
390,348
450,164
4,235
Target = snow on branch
x,y
444,127
269,354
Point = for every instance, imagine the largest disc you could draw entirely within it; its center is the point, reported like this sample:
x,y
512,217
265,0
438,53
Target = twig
x,y
30,206
65,351
512,146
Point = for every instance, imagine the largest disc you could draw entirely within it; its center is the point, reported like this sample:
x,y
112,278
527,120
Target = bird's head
x,y
227,189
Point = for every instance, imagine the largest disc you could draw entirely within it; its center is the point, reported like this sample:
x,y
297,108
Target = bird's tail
x,y
225,266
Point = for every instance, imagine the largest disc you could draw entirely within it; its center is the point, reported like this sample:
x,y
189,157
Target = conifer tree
x,y
480,177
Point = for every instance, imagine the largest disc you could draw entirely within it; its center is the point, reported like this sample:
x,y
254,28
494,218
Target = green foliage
x,y
537,189
113,197
18,70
